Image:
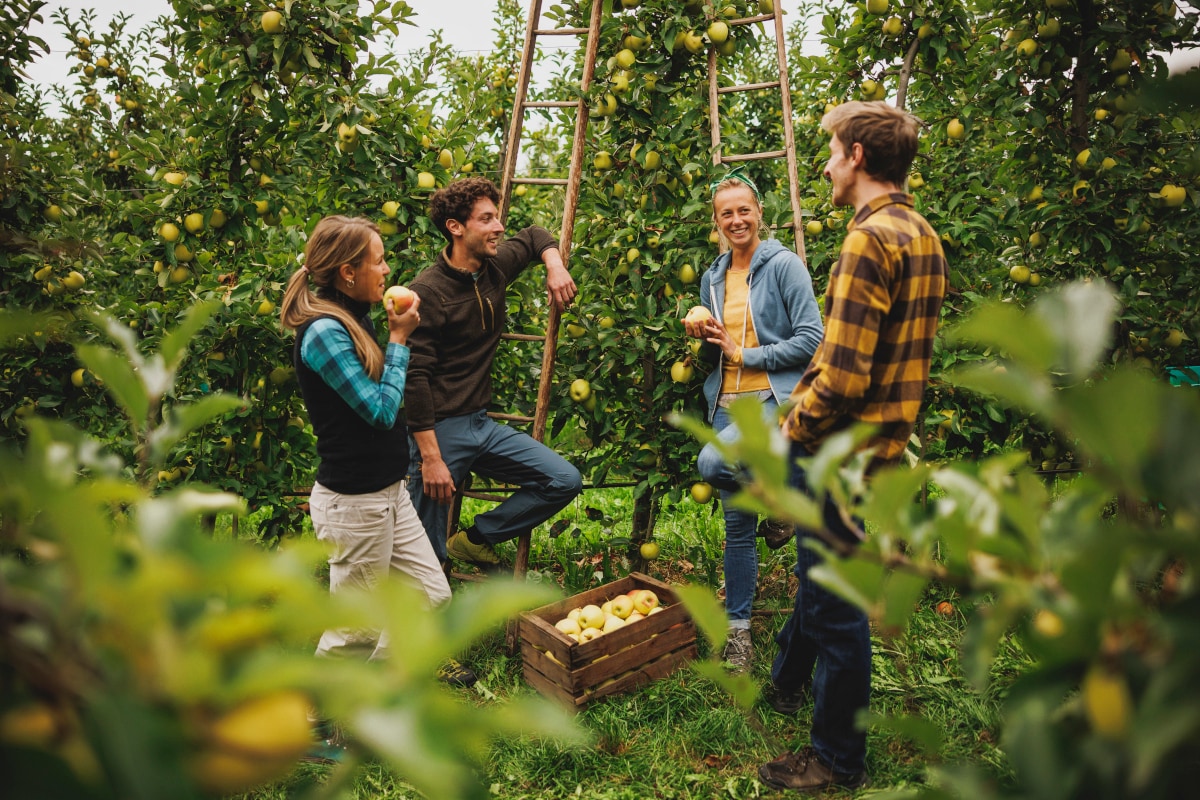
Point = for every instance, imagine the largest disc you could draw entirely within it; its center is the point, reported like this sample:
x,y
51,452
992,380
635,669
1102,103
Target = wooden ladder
x,y
508,179
789,138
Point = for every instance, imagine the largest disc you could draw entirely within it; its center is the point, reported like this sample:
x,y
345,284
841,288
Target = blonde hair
x,y
735,183
335,241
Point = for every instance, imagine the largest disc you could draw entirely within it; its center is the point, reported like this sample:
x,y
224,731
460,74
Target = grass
x,y
681,737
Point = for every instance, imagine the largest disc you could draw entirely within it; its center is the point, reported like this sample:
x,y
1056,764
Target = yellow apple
x,y
701,492
645,600
603,160
1081,158
622,606
194,222
612,622
271,22
169,232
587,634
590,616
681,371
652,159
687,274
1019,273
580,390
74,280
425,180
179,274
175,178
893,26
217,219
53,212
813,227
626,58
183,253
390,209
568,626
877,7
401,296
693,42
1172,195
1027,47
265,308
1037,239
575,330
77,377
697,314
955,129
718,32
649,550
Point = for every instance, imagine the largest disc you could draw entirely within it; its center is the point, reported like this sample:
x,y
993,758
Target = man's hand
x,y
560,286
436,481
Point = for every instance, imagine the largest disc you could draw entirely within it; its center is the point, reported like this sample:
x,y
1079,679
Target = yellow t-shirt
x,y
738,378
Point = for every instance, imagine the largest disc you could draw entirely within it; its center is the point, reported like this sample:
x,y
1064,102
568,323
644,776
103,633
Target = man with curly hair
x,y
450,378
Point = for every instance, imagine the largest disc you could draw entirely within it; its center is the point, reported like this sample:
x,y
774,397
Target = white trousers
x,y
373,535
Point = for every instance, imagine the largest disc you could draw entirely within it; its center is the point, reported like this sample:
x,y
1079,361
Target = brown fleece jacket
x,y
462,317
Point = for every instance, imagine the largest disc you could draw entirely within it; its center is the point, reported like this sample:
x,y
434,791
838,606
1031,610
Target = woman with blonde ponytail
x,y
353,390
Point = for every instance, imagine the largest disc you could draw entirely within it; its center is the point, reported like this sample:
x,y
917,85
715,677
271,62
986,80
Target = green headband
x,y
737,174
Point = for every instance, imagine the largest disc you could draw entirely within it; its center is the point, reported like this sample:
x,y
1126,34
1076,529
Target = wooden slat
x,y
560,31
748,87
753,156
524,337
552,104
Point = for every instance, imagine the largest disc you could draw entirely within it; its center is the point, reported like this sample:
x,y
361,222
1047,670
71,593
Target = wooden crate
x,y
624,659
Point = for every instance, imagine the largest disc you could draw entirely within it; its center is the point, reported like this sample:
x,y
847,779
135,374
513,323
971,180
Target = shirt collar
x,y
888,199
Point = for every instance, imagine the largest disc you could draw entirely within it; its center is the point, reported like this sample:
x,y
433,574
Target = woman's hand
x,y
401,325
716,333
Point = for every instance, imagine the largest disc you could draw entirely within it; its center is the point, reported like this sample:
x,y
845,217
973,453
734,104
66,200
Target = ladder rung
x,y
748,87
541,181
560,31
754,156
510,417
750,20
524,337
552,104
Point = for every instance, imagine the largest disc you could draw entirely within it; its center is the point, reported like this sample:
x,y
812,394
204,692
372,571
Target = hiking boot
x,y
461,548
803,772
452,673
776,532
739,650
783,701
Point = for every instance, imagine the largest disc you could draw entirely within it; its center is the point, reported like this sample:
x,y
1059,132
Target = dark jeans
x,y
825,646
477,443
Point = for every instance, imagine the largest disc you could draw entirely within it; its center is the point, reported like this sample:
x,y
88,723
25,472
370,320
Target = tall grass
x,y
681,737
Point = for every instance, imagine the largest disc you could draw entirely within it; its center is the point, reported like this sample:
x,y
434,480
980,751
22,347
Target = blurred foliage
x,y
1097,579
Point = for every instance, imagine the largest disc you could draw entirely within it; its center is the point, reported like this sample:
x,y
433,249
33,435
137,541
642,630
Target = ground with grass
x,y
682,736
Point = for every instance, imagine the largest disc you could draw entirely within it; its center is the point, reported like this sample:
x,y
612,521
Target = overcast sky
x,y
466,26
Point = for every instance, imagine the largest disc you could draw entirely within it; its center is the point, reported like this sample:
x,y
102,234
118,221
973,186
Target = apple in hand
x,y
401,296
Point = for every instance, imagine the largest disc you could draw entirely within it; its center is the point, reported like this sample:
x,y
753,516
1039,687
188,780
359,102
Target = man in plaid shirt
x,y
882,306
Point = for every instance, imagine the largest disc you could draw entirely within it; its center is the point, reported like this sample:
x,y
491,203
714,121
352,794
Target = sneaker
x,y
776,532
783,701
455,674
461,548
804,772
739,650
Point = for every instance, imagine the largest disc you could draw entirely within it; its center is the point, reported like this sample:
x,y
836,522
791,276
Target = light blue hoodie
x,y
783,311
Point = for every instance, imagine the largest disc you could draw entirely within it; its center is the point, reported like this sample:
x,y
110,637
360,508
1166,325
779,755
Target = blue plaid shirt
x,y
328,350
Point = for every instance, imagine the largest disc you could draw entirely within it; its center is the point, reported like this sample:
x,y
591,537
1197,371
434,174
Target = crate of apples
x,y
606,640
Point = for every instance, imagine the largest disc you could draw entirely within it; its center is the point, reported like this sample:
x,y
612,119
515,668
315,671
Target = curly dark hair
x,y
456,201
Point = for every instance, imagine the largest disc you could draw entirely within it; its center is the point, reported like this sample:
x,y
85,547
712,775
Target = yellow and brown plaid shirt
x,y
881,307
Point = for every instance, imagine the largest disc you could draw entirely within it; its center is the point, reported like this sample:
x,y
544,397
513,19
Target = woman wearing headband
x,y
764,328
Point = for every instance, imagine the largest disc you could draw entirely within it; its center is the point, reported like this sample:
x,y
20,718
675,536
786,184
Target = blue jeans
x,y
826,633
741,547
477,443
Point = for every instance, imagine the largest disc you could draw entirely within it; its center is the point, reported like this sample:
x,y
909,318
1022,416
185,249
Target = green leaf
x,y
175,343
706,612
120,381
185,418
